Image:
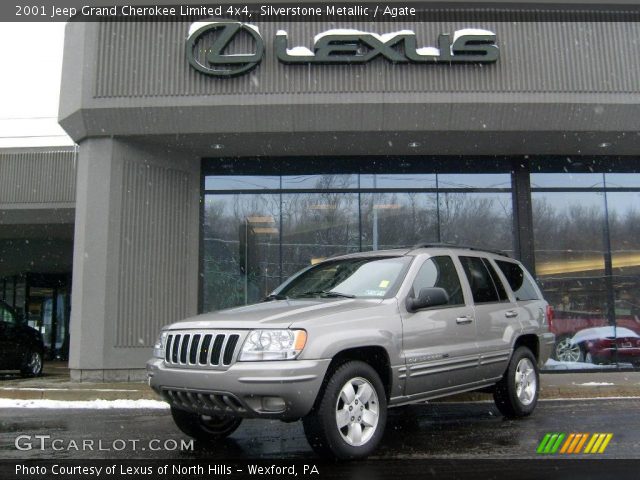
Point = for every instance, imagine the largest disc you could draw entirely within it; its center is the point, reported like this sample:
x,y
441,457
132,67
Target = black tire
x,y
321,425
508,401
204,428
32,364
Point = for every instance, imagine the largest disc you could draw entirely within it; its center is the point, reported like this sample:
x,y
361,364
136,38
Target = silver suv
x,y
345,339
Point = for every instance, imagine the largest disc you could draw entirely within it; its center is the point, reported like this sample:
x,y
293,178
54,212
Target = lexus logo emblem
x,y
208,42
214,60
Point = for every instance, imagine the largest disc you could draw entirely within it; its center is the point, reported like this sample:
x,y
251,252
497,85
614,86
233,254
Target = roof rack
x,y
464,247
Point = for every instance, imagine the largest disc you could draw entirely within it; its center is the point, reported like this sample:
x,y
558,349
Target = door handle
x,y
464,320
511,314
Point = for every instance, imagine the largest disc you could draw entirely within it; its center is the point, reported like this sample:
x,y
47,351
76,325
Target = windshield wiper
x,y
275,296
329,293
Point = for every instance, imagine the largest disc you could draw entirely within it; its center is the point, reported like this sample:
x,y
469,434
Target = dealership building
x,y
215,159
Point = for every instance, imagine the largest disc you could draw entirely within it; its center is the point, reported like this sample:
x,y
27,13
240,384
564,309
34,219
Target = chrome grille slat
x,y
182,355
176,348
167,353
229,348
187,350
194,348
222,348
210,352
216,349
206,349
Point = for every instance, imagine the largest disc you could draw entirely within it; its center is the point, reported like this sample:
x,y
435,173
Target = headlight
x,y
160,345
273,345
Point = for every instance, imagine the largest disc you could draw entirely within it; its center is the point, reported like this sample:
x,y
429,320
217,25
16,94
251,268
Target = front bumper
x,y
285,390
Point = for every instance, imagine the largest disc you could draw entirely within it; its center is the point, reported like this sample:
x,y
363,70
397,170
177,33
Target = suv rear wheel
x,y
204,427
516,394
350,415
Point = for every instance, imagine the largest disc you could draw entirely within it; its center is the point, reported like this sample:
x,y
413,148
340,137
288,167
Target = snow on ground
x,y
556,365
85,404
47,389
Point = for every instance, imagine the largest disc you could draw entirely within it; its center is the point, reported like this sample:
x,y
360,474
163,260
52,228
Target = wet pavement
x,y
434,431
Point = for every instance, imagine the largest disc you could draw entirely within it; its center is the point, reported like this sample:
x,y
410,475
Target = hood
x,y
274,314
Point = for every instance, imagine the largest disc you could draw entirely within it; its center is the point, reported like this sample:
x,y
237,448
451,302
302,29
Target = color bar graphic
x,y
573,443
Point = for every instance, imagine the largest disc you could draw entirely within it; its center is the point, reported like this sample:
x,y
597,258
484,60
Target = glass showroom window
x,y
316,226
587,263
260,229
396,219
241,258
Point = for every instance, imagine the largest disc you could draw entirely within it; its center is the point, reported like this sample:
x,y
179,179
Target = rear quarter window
x,y
483,287
521,284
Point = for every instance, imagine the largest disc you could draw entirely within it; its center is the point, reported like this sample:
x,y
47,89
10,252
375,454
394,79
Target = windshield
x,y
376,277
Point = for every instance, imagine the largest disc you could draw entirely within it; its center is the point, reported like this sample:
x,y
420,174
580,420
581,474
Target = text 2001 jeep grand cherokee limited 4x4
x,y
343,340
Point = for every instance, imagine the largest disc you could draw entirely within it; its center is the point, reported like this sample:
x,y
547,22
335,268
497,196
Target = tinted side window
x,y
502,293
482,286
519,282
439,272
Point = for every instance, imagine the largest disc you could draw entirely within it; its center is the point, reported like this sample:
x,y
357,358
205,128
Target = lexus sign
x,y
213,60
208,44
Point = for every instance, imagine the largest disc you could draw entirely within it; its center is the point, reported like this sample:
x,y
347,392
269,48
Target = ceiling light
x,y
268,219
264,230
330,206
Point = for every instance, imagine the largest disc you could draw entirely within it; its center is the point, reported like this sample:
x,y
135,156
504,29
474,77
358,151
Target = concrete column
x,y
135,254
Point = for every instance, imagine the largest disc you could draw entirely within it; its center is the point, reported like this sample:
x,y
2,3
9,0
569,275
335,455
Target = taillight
x,y
550,315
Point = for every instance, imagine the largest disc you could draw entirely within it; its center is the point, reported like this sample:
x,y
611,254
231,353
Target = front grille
x,y
206,349
204,402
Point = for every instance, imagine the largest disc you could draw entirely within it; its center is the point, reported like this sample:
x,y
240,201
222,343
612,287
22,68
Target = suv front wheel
x,y
204,427
350,415
516,394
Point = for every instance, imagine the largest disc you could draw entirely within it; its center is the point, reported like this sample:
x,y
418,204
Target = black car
x,y
21,347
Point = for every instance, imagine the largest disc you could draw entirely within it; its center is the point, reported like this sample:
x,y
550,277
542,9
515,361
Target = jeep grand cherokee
x,y
342,341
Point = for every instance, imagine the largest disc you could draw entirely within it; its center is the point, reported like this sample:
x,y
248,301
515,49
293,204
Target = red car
x,y
608,344
565,324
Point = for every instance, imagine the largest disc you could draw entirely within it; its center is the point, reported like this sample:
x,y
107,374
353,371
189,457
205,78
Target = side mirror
x,y
428,297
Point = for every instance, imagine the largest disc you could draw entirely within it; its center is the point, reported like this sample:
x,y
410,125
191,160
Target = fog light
x,y
272,404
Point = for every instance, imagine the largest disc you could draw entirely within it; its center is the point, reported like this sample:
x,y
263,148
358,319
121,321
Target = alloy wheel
x,y
526,381
566,351
35,363
357,411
